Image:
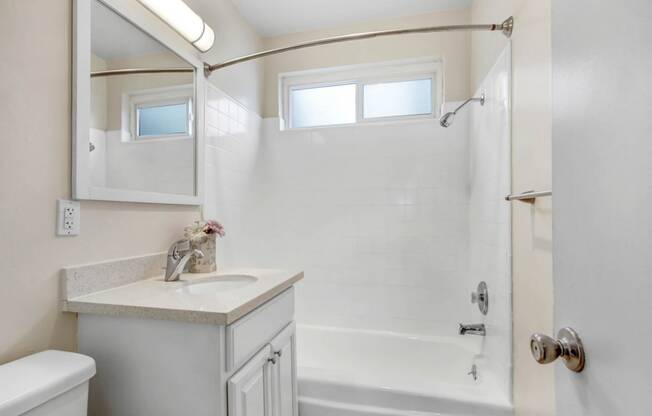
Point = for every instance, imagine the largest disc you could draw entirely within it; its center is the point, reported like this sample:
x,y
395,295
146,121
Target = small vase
x,y
205,244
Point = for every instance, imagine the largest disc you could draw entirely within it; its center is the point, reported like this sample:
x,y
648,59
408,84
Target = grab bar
x,y
527,196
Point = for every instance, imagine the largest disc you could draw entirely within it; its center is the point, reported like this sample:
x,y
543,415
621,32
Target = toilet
x,y
52,383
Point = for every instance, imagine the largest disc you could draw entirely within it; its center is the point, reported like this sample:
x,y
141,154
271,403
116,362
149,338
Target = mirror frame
x,y
140,17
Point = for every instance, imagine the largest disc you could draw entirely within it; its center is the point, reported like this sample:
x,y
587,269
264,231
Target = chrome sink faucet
x,y
473,329
179,255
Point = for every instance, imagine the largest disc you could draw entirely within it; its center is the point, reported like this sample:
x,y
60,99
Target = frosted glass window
x,y
163,120
323,106
399,98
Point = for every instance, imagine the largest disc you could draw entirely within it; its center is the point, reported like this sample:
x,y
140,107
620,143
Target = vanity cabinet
x,y
249,390
266,384
169,368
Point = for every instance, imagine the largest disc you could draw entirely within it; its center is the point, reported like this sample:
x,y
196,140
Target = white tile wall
x,y
165,166
376,215
394,224
490,215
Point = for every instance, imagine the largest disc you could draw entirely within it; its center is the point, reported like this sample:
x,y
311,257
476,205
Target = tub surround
x,y
134,287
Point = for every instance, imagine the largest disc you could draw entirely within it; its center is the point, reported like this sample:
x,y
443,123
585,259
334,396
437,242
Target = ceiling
x,y
113,37
278,17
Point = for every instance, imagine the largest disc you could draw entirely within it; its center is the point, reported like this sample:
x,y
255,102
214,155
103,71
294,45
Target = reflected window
x,y
163,120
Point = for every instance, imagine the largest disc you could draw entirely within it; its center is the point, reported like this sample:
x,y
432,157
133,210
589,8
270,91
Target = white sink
x,y
217,284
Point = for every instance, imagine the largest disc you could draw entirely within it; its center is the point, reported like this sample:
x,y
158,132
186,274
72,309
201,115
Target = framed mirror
x,y
138,108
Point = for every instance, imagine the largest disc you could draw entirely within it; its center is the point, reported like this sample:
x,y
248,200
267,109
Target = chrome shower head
x,y
447,119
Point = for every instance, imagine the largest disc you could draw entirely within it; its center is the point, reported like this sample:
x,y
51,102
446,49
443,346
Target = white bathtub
x,y
345,372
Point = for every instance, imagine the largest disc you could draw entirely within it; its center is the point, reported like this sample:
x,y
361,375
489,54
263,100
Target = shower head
x,y
447,119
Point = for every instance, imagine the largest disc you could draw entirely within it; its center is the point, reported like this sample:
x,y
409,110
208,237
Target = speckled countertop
x,y
135,287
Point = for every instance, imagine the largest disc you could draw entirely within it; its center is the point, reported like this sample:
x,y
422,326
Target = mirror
x,y
141,137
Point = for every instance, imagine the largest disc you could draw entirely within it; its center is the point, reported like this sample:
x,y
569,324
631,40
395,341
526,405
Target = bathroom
x,y
421,202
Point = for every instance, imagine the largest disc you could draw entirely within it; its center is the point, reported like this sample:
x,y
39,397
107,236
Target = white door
x,y
249,389
602,201
284,372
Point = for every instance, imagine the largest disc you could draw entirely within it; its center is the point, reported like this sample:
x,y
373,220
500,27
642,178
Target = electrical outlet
x,y
68,217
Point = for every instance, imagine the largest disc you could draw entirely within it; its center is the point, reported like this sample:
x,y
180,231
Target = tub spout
x,y
473,329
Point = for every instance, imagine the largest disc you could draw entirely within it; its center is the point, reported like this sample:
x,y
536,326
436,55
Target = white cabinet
x,y
247,368
284,373
266,385
249,390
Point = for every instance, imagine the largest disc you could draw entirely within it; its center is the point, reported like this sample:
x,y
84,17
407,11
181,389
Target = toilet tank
x,y
52,383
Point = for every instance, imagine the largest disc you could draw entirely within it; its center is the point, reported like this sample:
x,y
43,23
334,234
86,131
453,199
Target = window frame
x,y
154,97
361,75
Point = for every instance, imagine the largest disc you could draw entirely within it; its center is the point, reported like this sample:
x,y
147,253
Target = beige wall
x,y
453,48
531,167
233,37
35,103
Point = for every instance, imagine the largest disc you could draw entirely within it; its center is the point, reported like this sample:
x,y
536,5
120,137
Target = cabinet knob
x,y
568,346
271,360
278,353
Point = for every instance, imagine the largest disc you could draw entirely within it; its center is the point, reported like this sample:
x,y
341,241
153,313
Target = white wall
x,y
233,150
601,153
489,216
531,169
233,37
377,216
163,165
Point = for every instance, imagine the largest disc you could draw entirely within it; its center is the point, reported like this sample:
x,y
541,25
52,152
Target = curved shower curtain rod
x,y
505,28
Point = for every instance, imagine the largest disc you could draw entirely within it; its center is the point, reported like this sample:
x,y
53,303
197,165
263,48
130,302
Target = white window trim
x,y
155,97
393,71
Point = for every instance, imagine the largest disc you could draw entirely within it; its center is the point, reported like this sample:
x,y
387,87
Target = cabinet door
x,y
250,389
284,372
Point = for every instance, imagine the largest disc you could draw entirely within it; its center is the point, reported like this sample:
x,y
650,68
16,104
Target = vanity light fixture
x,y
184,20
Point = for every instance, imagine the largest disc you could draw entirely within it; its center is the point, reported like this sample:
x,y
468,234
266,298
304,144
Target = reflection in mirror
x,y
142,125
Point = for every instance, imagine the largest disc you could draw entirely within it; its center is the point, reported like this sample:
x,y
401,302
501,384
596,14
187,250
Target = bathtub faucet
x,y
473,329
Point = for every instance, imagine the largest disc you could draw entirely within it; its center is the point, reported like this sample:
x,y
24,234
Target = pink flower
x,y
214,227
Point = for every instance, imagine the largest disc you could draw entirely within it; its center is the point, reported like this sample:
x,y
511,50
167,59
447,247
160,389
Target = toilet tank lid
x,y
35,379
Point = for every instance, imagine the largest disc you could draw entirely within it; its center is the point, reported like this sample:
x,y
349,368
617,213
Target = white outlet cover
x,y
68,217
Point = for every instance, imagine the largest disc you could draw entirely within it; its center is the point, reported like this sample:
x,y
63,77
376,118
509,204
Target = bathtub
x,y
346,372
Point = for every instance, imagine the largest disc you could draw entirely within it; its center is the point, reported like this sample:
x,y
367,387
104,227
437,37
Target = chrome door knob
x,y
568,346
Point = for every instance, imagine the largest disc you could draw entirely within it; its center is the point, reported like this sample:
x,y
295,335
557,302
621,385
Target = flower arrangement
x,y
200,229
202,236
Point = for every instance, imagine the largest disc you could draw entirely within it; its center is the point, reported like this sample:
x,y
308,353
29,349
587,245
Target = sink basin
x,y
217,284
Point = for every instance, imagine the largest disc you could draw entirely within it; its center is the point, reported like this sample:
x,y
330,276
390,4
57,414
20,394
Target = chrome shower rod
x,y
505,28
130,71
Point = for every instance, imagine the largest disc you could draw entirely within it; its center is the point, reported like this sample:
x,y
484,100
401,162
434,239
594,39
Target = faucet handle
x,y
481,297
179,247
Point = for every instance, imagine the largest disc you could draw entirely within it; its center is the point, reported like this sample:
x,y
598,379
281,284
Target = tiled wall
x,y
489,216
376,215
165,166
232,152
394,224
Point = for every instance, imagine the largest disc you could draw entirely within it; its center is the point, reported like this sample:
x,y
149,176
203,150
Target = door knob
x,y
568,346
